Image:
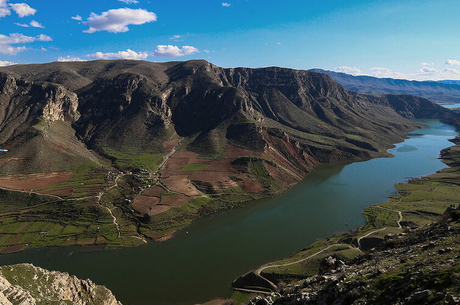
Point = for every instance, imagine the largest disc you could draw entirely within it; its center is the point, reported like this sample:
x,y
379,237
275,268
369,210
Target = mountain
x,y
451,82
139,149
447,92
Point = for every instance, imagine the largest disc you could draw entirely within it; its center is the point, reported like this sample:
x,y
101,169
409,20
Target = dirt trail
x,y
170,154
115,221
30,192
259,271
396,211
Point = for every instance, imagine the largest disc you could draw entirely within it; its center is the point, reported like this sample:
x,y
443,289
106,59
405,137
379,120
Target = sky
x,y
397,38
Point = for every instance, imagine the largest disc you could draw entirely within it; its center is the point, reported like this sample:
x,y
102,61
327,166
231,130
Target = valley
x,y
328,202
129,150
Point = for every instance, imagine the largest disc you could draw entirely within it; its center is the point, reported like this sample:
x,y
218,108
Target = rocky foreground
x,y
412,258
26,284
419,267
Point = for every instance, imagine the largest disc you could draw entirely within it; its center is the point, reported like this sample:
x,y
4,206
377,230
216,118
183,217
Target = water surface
x,y
202,260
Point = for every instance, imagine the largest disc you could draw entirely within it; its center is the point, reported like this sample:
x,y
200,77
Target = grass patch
x,y
195,167
132,161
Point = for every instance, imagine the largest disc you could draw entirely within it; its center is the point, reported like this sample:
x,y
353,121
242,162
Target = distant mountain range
x,y
447,91
451,82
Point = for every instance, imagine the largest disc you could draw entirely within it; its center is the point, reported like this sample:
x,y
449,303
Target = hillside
x,y
406,254
447,92
107,153
27,284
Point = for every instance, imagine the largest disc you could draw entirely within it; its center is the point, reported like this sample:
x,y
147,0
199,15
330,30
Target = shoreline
x,y
450,156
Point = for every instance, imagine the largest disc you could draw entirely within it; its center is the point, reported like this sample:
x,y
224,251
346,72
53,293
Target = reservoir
x,y
201,261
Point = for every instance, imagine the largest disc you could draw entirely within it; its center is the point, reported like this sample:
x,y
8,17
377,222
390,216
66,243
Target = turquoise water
x,y
202,260
451,106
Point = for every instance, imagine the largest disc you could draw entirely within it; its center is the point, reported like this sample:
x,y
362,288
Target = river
x,y
202,260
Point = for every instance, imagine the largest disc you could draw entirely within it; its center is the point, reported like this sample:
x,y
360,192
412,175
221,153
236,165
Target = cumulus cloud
x,y
452,62
128,54
78,18
348,70
176,37
4,10
6,63
69,58
117,20
173,51
24,25
23,9
7,42
226,4
129,1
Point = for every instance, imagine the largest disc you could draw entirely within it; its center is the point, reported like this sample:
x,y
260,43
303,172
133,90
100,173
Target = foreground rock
x,y
422,268
26,284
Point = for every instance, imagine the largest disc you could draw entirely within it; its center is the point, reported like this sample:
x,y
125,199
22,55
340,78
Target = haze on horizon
x,y
398,39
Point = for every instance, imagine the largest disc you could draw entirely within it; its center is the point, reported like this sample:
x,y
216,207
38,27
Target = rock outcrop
x,y
25,284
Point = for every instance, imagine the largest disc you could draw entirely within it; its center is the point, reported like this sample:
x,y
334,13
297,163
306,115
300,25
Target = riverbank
x,y
418,204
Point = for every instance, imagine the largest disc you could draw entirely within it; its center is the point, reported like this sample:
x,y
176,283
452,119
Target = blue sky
x,y
400,39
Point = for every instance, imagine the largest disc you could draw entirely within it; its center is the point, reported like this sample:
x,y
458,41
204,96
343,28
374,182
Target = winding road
x,y
261,269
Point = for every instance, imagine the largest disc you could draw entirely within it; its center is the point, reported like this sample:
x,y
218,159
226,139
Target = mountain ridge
x,y
222,136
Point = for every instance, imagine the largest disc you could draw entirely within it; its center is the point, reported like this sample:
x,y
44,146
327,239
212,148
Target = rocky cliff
x,y
26,284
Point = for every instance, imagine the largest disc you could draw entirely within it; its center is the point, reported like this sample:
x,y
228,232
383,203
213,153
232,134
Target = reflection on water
x,y
201,261
406,148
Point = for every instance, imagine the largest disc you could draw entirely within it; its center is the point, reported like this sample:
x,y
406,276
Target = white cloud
x,y
226,4
117,20
425,73
36,24
426,64
23,9
4,12
176,37
129,1
7,42
78,18
428,70
43,37
453,62
6,63
33,23
69,58
173,51
385,72
128,54
348,70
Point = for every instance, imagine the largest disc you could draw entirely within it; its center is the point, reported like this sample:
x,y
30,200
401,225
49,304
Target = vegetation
x,y
194,167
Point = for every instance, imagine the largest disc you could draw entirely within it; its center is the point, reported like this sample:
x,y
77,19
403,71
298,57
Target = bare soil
x,y
34,181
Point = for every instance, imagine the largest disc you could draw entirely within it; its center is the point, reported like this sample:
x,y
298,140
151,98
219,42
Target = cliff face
x,y
26,284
